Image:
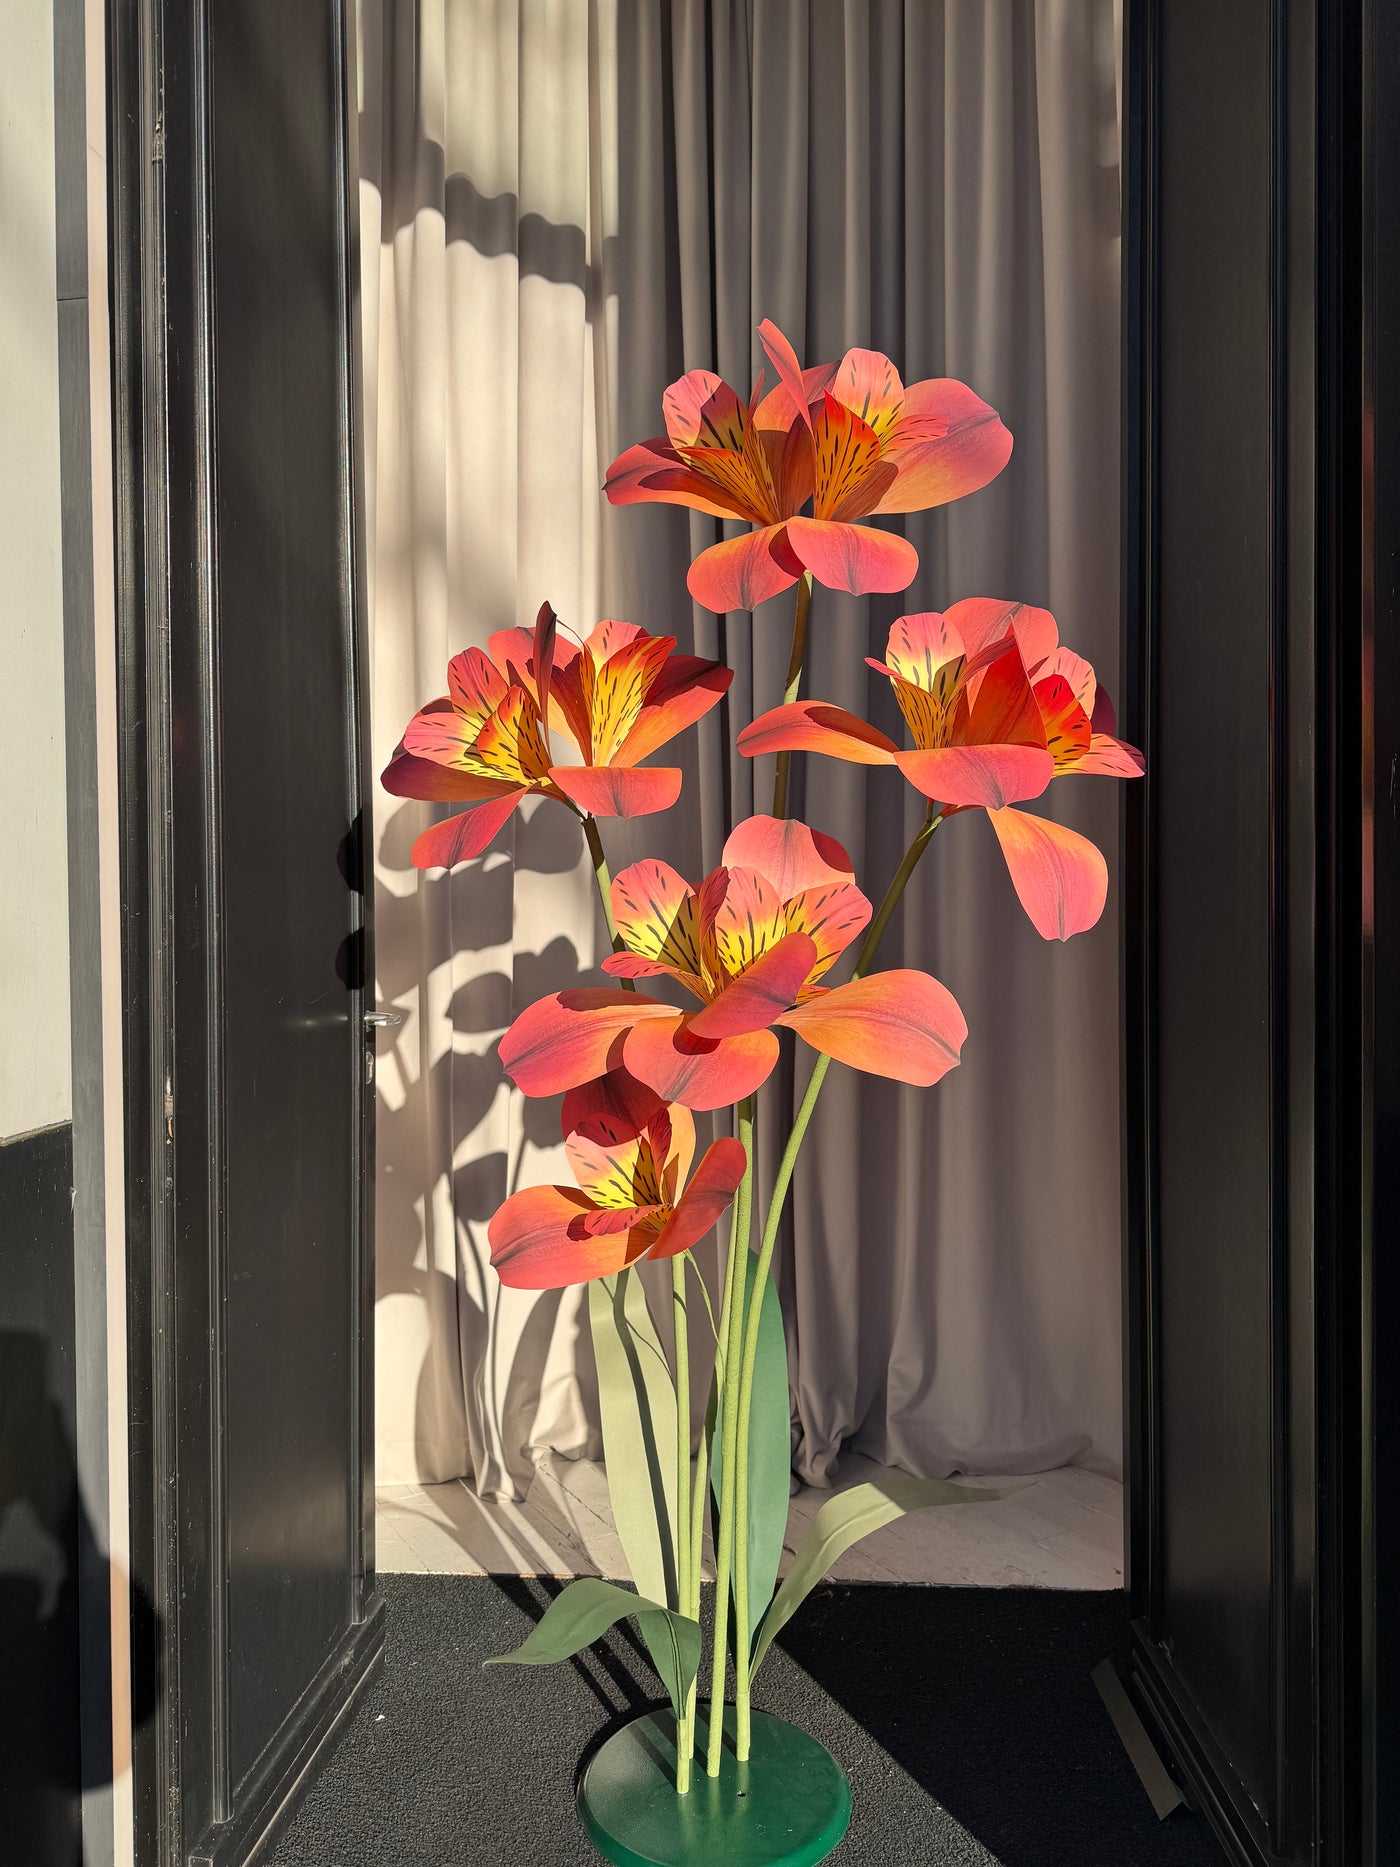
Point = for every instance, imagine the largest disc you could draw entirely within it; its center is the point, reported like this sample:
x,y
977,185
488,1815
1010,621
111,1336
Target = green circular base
x,y
787,1806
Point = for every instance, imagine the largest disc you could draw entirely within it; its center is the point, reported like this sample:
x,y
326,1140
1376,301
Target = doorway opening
x,y
535,275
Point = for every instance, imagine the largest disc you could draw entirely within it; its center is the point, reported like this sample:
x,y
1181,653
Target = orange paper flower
x,y
848,436
630,1154
996,708
619,696
752,943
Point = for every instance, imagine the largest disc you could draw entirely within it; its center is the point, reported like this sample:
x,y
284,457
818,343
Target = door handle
x,y
377,1021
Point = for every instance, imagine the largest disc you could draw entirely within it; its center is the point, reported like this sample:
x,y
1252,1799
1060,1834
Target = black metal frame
x,y
1335,1095
186,1807
1326,714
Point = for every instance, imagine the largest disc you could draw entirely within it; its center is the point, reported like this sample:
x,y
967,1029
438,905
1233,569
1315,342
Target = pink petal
x,y
984,620
542,653
535,1246
461,838
607,637
444,732
567,1039
1059,876
900,1024
407,776
653,472
1074,669
619,688
1004,710
831,917
701,410
812,726
710,1191
970,775
784,360
618,790
512,742
857,558
867,383
657,913
792,857
682,693
633,966
1065,722
849,475
744,918
512,651
753,1001
570,708
920,646
701,1073
1111,758
674,1158
609,1219
947,442
616,1097
741,573
1102,718
606,1159
783,439
476,683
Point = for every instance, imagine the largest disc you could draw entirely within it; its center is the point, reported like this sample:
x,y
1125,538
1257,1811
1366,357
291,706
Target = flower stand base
x,y
788,1806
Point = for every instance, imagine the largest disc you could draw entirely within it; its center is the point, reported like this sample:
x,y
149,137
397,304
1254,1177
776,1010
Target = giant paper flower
x,y
636,1197
996,708
619,695
848,436
752,944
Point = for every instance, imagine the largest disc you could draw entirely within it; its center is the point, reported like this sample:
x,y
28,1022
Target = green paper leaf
x,y
770,1449
845,1519
585,1610
637,1404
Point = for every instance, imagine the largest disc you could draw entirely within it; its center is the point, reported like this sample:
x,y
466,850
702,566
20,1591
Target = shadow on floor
x,y
965,1718
982,1699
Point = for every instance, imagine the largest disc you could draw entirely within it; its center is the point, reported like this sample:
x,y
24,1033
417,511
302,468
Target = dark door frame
x,y
1334,305
1334,683
164,414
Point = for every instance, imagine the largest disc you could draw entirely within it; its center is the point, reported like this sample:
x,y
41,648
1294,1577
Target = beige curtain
x,y
566,203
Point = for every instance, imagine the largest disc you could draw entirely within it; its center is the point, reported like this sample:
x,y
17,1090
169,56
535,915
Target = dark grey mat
x,y
965,1718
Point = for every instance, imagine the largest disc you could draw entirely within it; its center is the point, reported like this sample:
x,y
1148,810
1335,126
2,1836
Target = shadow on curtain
x,y
563,207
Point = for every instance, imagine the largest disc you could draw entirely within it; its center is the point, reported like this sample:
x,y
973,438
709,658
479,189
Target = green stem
x,y
604,881
765,1258
697,1530
731,1325
691,1604
685,1730
893,894
794,681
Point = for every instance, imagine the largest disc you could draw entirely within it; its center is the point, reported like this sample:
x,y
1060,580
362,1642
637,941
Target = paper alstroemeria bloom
x,y
635,1197
619,695
752,944
848,436
996,708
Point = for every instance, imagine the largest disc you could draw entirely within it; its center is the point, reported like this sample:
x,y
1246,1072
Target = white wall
x,y
35,1067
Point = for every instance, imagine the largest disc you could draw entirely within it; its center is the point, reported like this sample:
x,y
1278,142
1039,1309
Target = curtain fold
x,y
564,206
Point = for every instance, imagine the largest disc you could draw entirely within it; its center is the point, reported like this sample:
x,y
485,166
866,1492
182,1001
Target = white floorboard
x,y
1063,1529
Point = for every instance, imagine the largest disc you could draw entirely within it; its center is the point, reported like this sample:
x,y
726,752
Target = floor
x,y
965,1718
1063,1530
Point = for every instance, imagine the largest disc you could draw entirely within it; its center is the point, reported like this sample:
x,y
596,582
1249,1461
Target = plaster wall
x,y
35,1048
